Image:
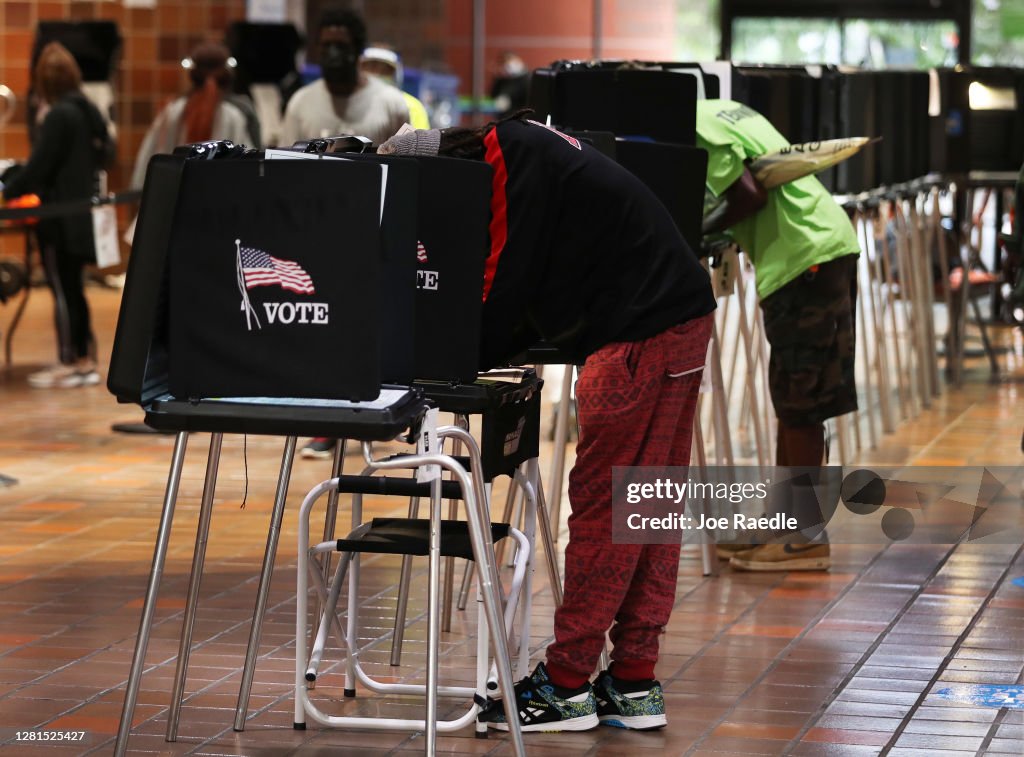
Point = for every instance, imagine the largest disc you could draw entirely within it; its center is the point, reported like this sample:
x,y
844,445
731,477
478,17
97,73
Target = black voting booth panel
x,y
189,208
95,45
676,174
660,105
710,81
901,120
145,354
397,315
452,228
857,104
986,137
274,269
788,96
265,52
441,251
139,357
818,103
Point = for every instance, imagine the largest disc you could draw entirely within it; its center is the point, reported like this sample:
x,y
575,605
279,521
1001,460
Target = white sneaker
x,y
64,377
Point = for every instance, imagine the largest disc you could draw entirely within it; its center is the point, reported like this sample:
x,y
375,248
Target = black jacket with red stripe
x,y
583,254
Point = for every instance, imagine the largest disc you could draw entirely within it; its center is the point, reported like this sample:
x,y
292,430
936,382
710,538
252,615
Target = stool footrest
x,y
394,486
411,536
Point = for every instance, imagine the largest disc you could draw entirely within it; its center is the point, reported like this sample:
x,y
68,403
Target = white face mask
x,y
514,67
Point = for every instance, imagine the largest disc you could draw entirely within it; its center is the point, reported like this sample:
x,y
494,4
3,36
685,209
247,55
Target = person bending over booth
x,y
584,256
804,250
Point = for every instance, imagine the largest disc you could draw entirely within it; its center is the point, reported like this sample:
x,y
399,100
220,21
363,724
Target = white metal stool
x,y
421,537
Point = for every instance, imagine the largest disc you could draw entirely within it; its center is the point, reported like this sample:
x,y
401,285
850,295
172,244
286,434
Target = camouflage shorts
x,y
810,325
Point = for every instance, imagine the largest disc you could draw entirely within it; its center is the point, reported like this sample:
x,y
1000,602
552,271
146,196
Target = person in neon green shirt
x,y
804,250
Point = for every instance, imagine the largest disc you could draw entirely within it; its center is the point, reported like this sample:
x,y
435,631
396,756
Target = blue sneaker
x,y
638,705
543,706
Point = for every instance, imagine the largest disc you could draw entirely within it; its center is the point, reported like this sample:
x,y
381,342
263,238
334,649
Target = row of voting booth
x,y
927,198
319,290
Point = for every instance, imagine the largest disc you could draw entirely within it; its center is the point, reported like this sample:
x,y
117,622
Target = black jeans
x,y
70,308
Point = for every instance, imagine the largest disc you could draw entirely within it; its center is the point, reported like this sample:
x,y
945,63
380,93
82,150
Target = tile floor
x,y
849,662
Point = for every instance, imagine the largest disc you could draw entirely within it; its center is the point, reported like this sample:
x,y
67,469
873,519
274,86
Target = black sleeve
x,y
517,264
49,149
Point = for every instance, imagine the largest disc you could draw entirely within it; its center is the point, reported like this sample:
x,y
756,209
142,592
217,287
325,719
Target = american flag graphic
x,y
421,252
262,269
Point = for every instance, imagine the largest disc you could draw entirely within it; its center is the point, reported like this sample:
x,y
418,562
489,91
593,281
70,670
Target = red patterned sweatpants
x,y
635,402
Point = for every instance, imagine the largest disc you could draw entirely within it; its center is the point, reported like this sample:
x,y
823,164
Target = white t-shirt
x,y
375,111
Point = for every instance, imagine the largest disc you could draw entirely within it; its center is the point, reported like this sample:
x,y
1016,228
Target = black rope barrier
x,y
57,209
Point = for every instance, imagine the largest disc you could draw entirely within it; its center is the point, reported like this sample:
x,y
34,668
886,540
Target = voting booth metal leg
x,y
880,292
156,572
912,302
751,377
923,235
530,521
960,330
866,339
331,514
402,603
557,475
768,414
194,581
876,357
434,616
544,523
506,515
901,307
935,220
448,578
719,402
708,555
889,307
252,652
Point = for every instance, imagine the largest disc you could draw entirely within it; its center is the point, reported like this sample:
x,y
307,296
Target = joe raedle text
x,y
703,522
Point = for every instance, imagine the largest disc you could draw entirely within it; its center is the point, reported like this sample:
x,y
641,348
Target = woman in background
x,y
208,112
67,154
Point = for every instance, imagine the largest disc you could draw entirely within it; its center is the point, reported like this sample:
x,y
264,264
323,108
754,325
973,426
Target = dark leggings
x,y
70,309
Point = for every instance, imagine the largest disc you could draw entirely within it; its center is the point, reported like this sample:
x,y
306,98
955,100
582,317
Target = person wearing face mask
x,y
384,63
346,100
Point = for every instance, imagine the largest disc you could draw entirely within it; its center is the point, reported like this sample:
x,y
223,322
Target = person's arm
x,y
742,199
47,152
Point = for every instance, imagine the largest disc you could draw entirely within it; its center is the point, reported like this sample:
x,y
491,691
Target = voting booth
x,y
279,293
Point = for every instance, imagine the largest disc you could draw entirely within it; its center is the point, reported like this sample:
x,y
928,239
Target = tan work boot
x,y
769,557
728,551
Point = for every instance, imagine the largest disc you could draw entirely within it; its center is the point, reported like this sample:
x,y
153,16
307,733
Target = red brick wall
x,y
150,73
155,41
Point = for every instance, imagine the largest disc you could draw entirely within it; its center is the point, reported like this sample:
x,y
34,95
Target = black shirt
x,y
583,254
63,167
